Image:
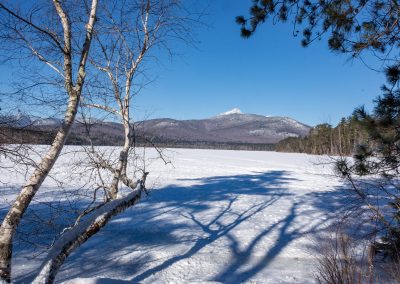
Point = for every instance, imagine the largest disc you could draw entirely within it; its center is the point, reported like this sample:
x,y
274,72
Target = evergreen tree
x,y
354,26
379,162
351,26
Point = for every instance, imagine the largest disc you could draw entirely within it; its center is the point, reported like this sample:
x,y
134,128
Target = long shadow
x,y
240,257
264,189
212,235
225,188
351,214
213,206
330,203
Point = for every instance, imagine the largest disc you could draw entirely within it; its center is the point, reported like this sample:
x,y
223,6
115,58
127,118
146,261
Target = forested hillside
x,y
326,139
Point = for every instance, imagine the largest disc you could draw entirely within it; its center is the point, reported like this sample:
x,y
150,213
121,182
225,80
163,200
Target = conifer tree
x,y
379,162
351,26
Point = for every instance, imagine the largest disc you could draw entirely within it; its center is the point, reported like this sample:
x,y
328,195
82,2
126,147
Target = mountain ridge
x,y
232,126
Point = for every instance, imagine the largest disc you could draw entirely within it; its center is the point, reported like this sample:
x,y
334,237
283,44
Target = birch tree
x,y
140,29
129,36
36,34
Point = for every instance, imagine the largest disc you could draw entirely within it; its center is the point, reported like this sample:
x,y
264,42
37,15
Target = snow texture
x,y
214,216
72,235
232,111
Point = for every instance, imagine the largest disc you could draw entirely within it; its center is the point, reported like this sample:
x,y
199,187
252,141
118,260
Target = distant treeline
x,y
206,145
324,139
30,135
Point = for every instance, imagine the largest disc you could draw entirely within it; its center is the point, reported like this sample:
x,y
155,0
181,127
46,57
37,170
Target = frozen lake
x,y
212,216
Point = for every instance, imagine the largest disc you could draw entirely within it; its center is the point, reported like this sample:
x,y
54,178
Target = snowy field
x,y
212,216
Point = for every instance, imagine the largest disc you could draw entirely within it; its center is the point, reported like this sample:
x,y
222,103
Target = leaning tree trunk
x,y
80,233
28,191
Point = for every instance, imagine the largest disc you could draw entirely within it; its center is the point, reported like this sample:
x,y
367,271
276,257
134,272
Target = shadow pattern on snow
x,y
210,206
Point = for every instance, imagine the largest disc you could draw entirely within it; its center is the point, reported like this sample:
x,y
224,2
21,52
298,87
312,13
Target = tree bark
x,y
123,158
79,234
28,191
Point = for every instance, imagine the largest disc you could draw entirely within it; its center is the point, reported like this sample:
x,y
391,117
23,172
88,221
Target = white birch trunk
x,y
28,191
123,158
79,234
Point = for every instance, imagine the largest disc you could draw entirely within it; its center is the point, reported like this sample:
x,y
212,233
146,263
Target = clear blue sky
x,y
269,74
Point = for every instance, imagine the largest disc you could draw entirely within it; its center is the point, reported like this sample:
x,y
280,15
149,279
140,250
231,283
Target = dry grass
x,y
345,260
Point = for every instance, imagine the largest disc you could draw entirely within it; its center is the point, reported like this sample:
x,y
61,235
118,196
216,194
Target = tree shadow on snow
x,y
193,218
151,227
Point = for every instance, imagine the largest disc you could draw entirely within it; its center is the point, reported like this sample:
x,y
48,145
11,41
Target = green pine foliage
x,y
372,139
379,162
350,26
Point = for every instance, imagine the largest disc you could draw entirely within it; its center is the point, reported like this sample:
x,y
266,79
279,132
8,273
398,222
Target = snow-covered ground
x,y
212,216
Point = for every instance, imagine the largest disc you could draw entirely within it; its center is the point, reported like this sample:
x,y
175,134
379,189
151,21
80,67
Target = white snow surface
x,y
212,216
232,111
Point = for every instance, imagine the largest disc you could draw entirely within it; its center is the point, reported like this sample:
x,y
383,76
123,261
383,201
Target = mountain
x,y
43,122
231,126
15,121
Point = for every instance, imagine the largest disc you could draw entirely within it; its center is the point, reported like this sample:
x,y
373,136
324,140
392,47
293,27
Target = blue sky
x,y
268,74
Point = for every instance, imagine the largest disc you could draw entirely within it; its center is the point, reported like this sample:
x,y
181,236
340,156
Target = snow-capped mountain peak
x,y
232,111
